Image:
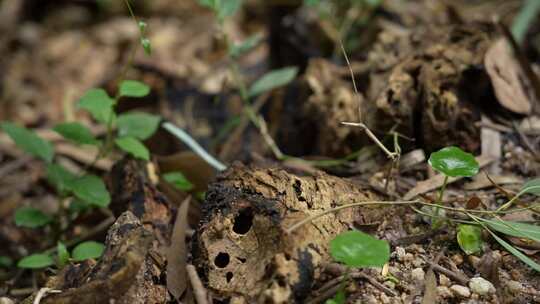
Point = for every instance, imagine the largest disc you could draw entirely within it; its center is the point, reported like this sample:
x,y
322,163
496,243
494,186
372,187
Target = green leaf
x,y
525,259
238,50
77,205
311,2
228,8
133,88
29,141
272,80
178,180
452,161
36,261
92,190
147,46
207,3
88,250
5,261
532,186
76,132
358,249
524,19
339,298
137,124
99,104
31,217
133,146
521,230
469,238
62,254
61,178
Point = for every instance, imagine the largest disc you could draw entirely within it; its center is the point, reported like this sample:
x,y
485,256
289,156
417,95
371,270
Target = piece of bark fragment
x,y
125,273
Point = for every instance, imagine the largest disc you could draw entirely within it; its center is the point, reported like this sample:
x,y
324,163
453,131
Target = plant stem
x,y
441,190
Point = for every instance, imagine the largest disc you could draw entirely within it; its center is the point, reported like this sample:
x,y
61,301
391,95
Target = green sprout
x,y
452,162
357,249
84,191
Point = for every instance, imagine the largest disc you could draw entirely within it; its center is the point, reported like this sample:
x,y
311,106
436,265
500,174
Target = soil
x,y
419,75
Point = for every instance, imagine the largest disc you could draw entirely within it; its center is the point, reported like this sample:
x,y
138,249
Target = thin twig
x,y
392,155
316,216
460,278
198,288
42,292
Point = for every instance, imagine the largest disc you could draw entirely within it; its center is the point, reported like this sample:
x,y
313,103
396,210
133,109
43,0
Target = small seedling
x,y
84,191
357,249
452,162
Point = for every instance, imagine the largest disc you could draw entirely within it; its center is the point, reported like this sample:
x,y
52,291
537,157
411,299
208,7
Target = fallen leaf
x,y
177,253
507,78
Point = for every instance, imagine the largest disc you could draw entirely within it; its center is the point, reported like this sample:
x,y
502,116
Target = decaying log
x,y
132,268
241,247
418,83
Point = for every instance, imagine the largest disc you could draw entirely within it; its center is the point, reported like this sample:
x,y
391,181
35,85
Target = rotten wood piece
x,y
132,268
241,248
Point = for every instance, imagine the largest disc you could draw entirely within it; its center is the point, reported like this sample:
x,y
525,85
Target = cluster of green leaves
x,y
132,127
357,249
86,191
81,252
453,162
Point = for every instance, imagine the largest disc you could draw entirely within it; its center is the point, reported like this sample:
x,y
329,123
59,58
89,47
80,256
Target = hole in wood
x,y
242,260
229,276
243,221
222,260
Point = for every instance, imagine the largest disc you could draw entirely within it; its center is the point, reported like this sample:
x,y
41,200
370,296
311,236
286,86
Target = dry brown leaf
x,y
481,181
177,253
507,78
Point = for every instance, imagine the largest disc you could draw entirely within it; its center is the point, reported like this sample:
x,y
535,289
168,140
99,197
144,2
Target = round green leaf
x,y
92,190
452,161
469,238
178,180
88,250
35,261
358,249
133,146
62,254
29,141
133,88
76,132
31,217
137,124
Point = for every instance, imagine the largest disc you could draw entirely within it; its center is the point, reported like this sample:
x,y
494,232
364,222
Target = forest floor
x,y
425,75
